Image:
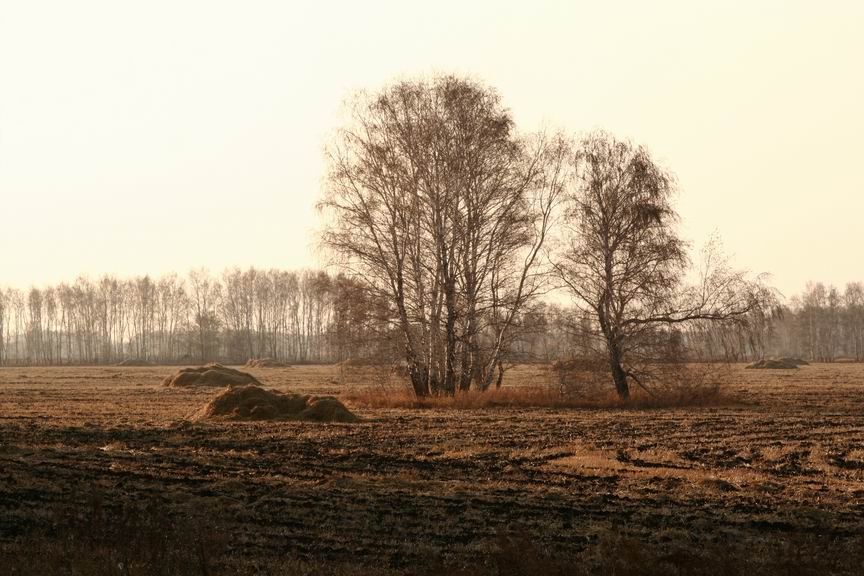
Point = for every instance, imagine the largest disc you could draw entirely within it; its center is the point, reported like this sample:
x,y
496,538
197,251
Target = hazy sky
x,y
146,137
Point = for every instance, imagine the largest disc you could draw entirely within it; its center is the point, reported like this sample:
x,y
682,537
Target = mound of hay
x,y
265,363
255,403
209,375
774,364
134,362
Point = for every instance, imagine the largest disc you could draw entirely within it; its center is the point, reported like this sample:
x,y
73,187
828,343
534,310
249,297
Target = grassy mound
x,y
209,375
255,403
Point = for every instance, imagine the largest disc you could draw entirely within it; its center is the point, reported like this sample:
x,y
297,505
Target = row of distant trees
x,y
822,324
291,316
829,323
313,316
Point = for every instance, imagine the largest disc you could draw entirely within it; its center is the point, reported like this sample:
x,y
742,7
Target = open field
x,y
409,488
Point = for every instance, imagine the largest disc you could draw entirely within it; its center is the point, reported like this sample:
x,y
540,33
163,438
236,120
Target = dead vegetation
x,y
400,397
565,384
586,382
535,397
211,375
255,403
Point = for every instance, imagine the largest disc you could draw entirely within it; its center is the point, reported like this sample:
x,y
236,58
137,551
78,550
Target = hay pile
x,y
265,363
255,403
777,364
209,375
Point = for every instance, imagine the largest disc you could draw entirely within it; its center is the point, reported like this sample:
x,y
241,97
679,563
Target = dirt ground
x,y
407,486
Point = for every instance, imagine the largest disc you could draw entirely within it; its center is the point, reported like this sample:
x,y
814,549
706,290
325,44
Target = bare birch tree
x,y
623,261
440,208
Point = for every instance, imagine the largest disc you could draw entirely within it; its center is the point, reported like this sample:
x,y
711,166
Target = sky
x,y
148,137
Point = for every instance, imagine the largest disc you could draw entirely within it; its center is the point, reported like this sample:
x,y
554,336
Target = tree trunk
x,y
469,365
419,378
500,379
619,375
613,347
449,385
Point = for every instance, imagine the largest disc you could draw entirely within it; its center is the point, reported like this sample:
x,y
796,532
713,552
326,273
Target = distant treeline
x,y
305,316
313,316
823,324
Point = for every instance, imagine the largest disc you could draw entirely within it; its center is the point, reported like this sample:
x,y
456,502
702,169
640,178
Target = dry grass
x,y
541,396
393,397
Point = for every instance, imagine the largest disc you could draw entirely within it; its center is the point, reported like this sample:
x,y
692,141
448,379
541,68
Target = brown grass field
x,y
94,458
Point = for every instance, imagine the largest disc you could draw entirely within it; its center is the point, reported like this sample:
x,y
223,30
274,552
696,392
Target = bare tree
x,y
205,292
440,208
622,260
